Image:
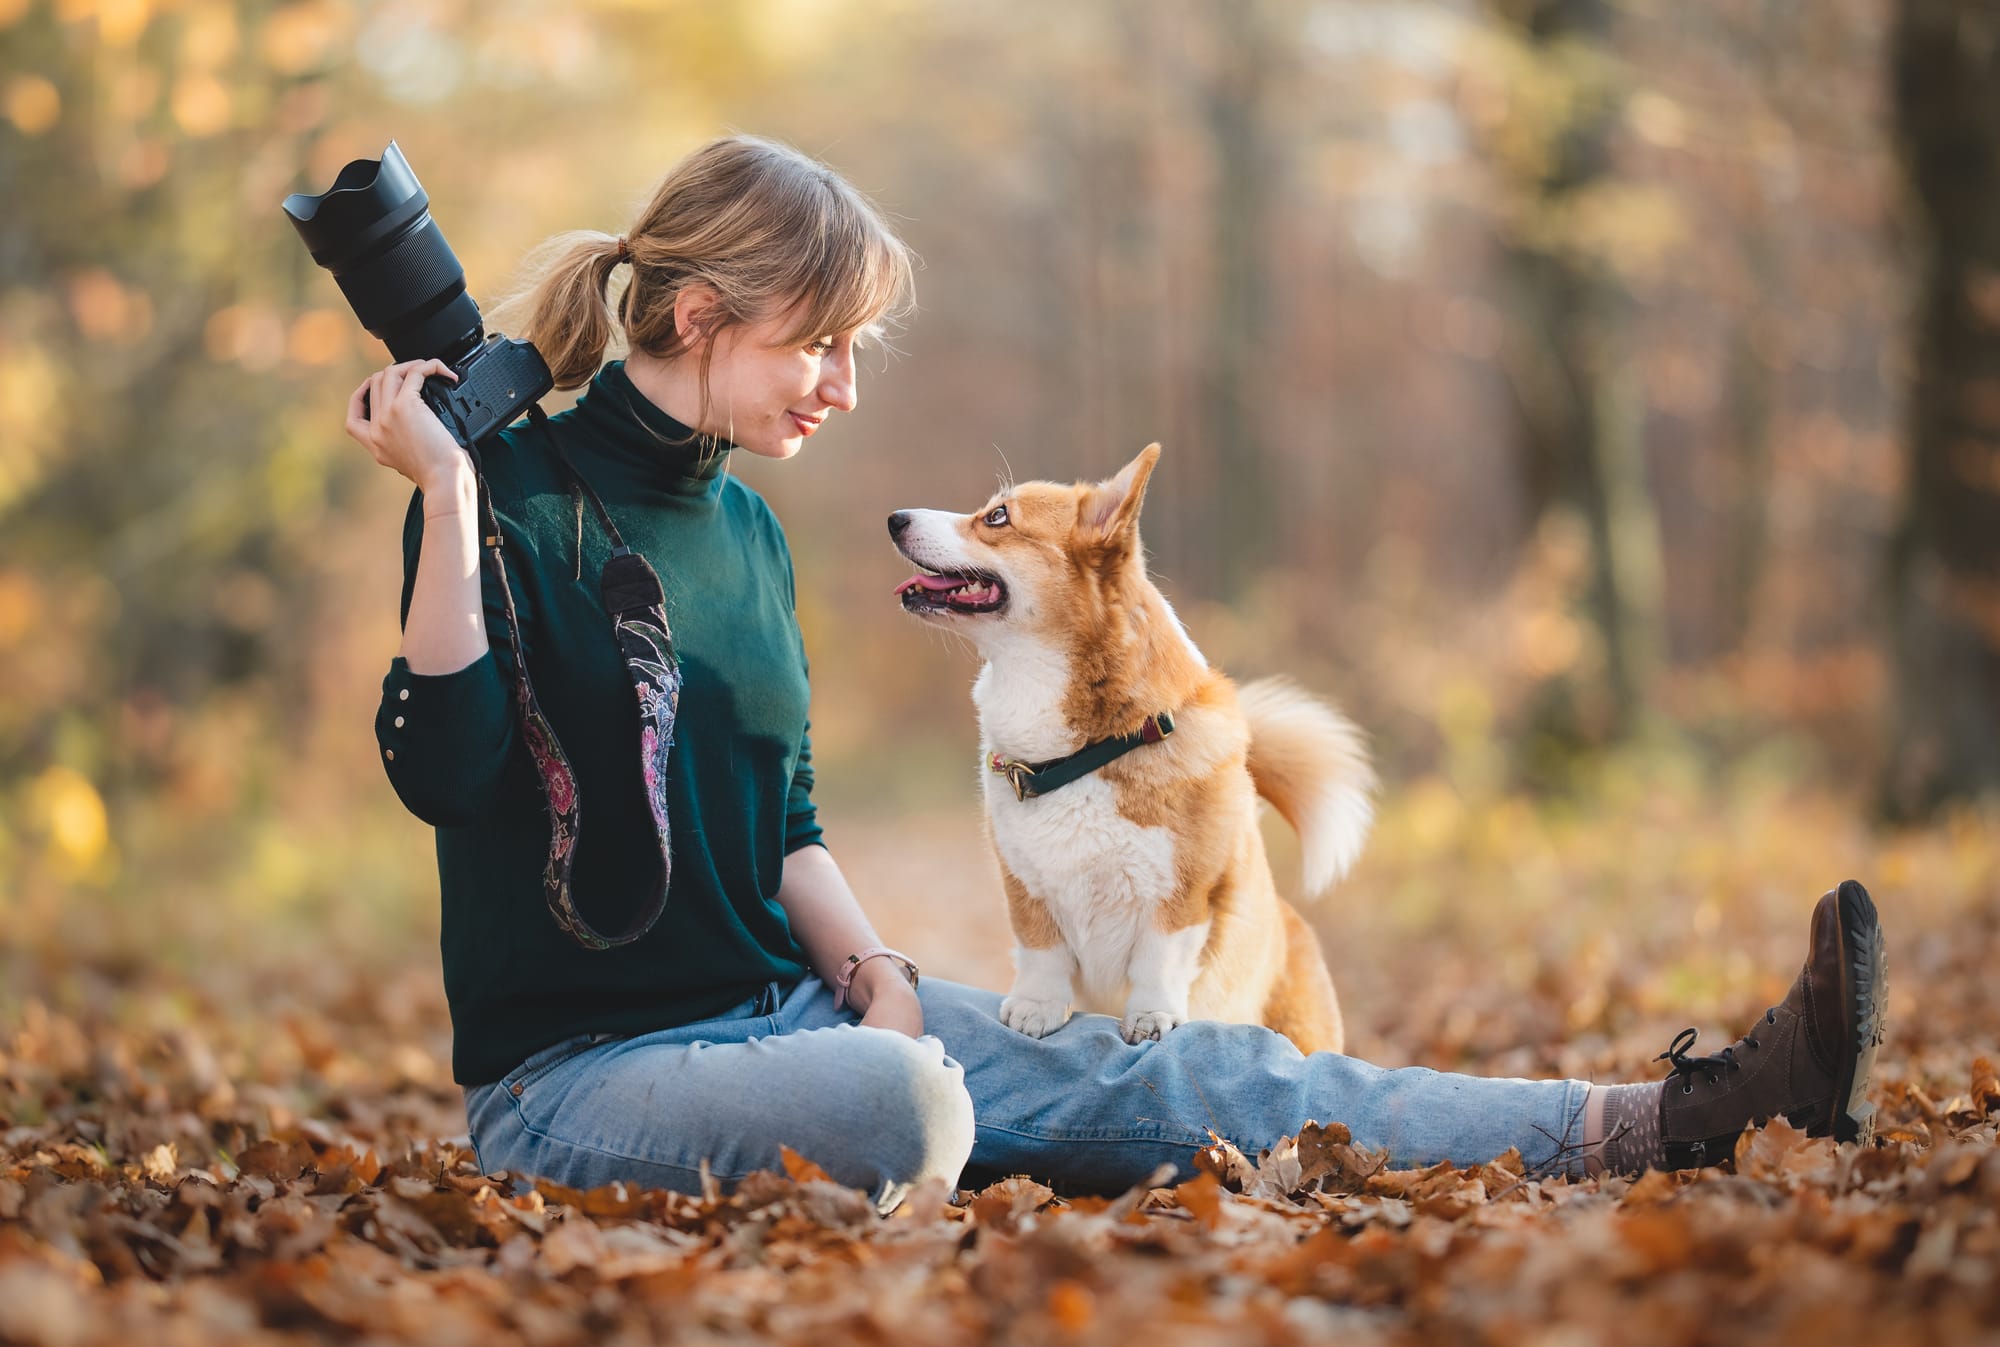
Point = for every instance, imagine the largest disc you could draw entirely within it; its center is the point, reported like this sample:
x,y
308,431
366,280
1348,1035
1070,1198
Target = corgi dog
x,y
1122,774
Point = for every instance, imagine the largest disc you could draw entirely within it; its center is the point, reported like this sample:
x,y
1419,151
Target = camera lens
x,y
373,230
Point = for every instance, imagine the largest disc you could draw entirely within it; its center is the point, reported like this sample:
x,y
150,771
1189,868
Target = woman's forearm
x,y
446,627
828,922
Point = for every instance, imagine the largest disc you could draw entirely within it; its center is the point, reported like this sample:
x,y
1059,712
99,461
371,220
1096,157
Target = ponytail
x,y
569,318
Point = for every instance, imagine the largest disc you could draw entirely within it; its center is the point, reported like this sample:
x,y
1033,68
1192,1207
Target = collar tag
x,y
1018,773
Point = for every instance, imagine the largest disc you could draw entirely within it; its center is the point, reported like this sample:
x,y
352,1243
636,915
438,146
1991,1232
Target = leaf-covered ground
x,y
261,1142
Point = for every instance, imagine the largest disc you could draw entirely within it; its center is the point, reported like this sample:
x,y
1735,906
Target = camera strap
x,y
630,591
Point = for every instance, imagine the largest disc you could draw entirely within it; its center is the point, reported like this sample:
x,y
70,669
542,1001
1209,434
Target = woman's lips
x,y
806,424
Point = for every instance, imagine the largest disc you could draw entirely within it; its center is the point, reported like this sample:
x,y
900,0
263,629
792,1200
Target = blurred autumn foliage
x,y
1599,397
1532,378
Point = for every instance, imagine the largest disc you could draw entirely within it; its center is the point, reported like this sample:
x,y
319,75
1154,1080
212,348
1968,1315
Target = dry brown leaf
x,y
271,1159
1071,1306
1230,1167
575,1243
1004,1205
801,1169
1203,1197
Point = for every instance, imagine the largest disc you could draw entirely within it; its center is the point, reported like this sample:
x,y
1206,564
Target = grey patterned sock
x,y
1630,1129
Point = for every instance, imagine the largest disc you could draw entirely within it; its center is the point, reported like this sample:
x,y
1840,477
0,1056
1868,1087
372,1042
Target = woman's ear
x,y
696,311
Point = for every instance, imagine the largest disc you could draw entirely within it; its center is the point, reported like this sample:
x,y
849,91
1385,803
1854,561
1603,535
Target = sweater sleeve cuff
x,y
445,737
801,818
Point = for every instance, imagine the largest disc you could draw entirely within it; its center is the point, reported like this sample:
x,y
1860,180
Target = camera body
x,y
373,230
496,383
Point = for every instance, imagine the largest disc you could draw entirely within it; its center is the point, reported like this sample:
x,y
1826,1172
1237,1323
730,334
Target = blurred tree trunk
x,y
1236,327
1578,404
1747,412
1751,391
1945,560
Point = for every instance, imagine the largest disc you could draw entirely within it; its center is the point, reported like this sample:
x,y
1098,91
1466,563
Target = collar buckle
x,y
1018,773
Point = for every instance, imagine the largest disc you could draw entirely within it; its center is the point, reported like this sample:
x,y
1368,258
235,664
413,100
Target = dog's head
x,y
1034,556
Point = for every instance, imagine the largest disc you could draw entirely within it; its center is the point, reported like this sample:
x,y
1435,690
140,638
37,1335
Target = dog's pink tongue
x,y
931,582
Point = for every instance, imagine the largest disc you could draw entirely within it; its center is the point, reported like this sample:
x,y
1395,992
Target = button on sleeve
x,y
445,738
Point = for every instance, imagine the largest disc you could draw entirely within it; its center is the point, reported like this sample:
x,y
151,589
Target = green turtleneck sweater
x,y
739,779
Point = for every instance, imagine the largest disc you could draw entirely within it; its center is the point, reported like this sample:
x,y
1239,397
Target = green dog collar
x,y
1039,778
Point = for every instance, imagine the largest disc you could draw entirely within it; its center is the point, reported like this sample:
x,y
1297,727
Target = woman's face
x,y
769,395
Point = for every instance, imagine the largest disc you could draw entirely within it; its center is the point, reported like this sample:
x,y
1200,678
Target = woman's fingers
x,y
369,407
407,378
357,416
394,380
418,370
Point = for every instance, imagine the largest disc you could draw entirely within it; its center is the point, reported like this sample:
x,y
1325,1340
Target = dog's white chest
x,y
1102,875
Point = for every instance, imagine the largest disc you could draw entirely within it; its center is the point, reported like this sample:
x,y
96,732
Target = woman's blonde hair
x,y
768,229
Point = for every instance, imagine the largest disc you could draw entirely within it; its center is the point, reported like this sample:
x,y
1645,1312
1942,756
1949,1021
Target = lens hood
x,y
373,230
370,200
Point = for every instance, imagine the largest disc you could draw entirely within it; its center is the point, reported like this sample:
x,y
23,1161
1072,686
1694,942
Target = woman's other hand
x,y
398,427
887,999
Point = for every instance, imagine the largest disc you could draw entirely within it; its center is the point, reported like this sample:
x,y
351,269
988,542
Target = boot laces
x,y
1709,1068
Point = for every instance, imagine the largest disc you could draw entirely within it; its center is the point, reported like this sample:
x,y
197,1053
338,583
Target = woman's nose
x,y
837,388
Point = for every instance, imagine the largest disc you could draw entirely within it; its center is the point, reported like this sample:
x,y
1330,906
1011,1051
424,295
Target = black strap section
x,y
1031,779
629,584
541,420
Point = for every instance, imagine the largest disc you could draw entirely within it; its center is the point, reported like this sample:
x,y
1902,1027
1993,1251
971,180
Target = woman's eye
x,y
996,518
822,346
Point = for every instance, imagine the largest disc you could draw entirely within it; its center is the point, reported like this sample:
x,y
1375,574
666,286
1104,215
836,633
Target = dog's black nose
x,y
898,522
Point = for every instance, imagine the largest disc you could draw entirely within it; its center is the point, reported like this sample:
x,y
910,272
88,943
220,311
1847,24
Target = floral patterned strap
x,y
631,592
632,595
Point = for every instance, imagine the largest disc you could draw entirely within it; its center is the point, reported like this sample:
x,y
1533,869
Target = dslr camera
x,y
373,230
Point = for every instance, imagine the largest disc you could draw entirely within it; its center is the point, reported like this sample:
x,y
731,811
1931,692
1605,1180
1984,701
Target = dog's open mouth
x,y
952,592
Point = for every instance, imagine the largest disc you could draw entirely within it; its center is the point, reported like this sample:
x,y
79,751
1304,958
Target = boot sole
x,y
1863,997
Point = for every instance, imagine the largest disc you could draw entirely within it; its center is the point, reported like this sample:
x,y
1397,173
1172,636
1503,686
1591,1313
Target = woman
x,y
742,1000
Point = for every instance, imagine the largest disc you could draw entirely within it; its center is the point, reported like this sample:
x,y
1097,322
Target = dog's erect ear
x,y
1110,510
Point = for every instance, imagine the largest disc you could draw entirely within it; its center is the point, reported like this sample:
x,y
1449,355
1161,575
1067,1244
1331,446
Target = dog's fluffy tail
x,y
1312,764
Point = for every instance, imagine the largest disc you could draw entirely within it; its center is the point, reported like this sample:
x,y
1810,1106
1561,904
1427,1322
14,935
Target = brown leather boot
x,y
1807,1059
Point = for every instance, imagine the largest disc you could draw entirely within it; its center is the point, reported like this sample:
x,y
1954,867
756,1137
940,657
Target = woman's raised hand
x,y
398,427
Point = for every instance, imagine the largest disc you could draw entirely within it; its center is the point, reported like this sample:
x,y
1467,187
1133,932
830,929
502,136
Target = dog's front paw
x,y
1035,1018
1138,1026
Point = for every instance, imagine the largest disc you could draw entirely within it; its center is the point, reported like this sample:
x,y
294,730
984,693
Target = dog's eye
x,y
996,518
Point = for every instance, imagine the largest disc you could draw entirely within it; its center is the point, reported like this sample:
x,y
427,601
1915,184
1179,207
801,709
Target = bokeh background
x,y
1600,399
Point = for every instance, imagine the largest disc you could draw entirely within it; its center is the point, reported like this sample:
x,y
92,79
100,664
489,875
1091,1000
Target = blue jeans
x,y
883,1112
